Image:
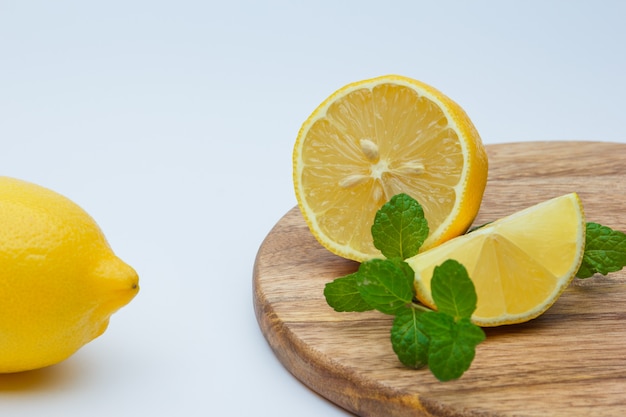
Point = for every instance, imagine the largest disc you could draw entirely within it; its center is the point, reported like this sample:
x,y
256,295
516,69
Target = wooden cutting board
x,y
571,361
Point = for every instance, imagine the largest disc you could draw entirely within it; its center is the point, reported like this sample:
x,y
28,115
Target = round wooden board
x,y
571,361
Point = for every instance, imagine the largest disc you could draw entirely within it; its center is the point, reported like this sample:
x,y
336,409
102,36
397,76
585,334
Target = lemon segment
x,y
59,279
374,139
519,264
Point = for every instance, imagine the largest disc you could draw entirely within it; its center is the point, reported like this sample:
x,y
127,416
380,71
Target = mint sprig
x,y
605,251
444,340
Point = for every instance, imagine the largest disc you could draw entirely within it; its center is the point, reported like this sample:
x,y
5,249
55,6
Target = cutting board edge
x,y
341,385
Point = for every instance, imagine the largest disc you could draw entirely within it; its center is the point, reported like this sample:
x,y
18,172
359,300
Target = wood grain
x,y
571,361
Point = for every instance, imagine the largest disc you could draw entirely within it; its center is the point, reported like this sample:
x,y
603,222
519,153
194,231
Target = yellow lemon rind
x,y
475,169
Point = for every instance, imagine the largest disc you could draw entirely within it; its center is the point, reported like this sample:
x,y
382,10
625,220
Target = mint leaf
x,y
605,251
452,344
385,284
407,340
343,294
452,290
400,228
409,274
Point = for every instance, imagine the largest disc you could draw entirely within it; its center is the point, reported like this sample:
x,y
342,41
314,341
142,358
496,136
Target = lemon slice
x,y
519,264
374,139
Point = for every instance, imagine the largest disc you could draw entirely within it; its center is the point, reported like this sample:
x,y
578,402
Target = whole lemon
x,y
59,279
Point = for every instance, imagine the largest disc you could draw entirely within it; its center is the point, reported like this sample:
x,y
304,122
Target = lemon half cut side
x,y
519,264
376,138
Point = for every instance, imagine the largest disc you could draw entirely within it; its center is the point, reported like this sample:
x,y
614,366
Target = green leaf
x,y
452,344
385,285
409,274
605,251
343,294
409,343
400,228
452,290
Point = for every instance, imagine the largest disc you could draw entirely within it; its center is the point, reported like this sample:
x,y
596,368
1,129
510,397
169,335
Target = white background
x,y
172,123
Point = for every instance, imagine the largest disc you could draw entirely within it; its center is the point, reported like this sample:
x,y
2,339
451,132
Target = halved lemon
x,y
519,264
374,139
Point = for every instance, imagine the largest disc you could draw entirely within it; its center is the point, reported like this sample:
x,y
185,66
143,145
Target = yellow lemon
x,y
59,279
380,137
519,264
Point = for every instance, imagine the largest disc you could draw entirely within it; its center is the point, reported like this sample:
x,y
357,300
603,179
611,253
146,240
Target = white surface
x,y
172,124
